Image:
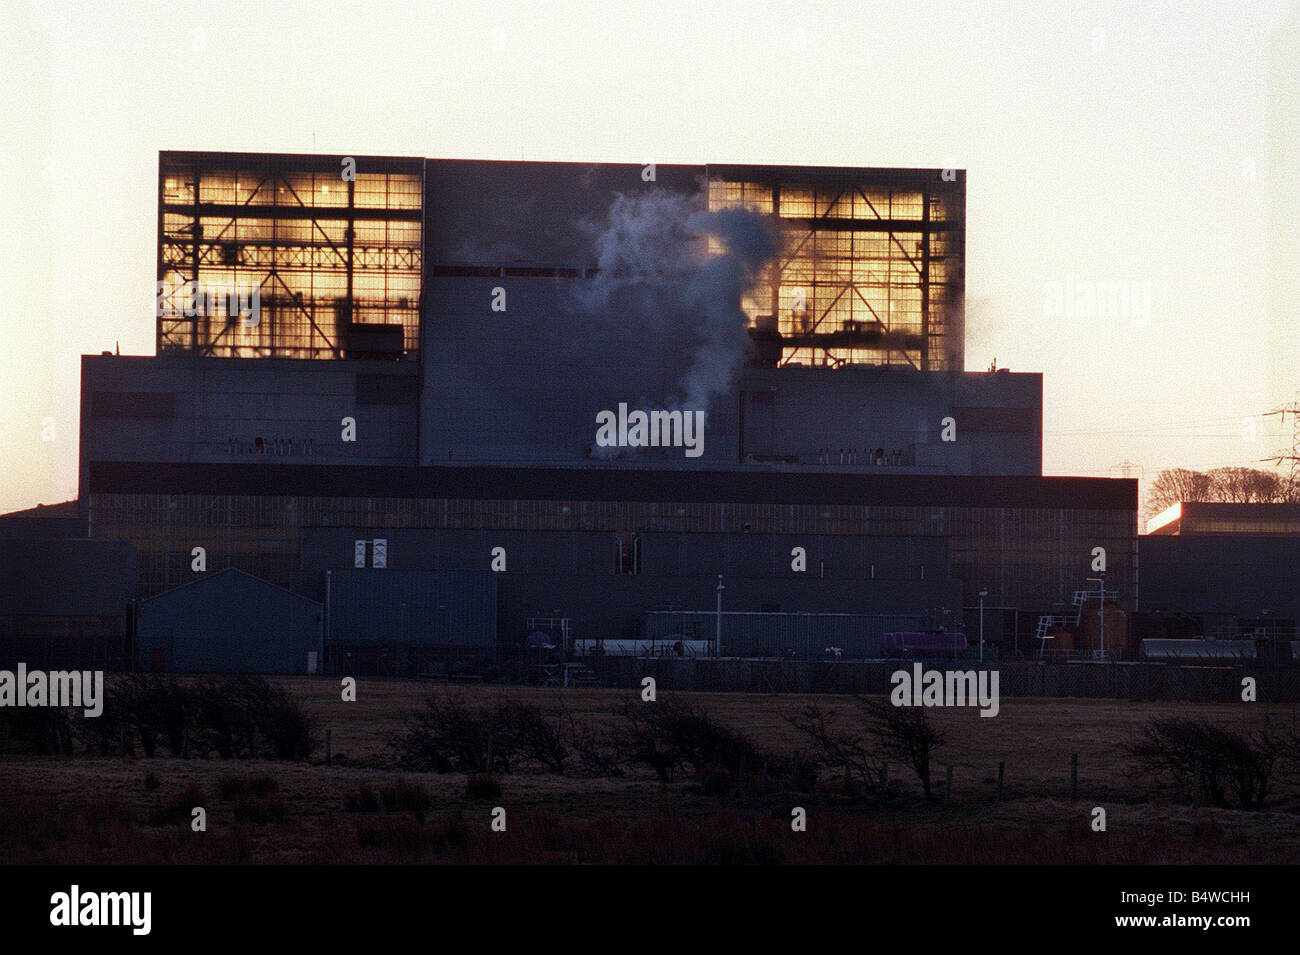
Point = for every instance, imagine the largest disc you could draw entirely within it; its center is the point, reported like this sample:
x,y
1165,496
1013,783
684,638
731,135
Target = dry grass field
x,y
84,809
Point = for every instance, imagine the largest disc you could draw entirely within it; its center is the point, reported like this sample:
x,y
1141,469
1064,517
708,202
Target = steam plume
x,y
658,285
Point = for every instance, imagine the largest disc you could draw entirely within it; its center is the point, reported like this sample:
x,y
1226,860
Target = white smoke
x,y
659,287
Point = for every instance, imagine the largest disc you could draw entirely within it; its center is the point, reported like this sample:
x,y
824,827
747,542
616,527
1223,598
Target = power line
x,y
1150,427
1292,459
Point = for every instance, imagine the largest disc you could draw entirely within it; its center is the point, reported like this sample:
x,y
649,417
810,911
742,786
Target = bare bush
x,y
1210,764
539,736
905,734
672,735
227,717
450,736
851,754
42,730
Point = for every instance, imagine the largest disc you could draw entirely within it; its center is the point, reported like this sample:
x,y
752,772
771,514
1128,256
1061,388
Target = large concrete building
x,y
66,602
1230,565
437,366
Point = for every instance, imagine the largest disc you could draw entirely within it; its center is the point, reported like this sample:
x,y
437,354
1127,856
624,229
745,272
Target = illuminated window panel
x,y
740,194
852,287
324,253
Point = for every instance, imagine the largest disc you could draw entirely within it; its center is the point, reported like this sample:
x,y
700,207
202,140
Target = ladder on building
x,y
1049,623
1083,597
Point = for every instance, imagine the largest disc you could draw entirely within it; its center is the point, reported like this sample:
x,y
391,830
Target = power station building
x,y
577,392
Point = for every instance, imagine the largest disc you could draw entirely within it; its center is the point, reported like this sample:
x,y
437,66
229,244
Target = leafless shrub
x,y
672,735
906,735
1210,764
450,736
542,737
851,754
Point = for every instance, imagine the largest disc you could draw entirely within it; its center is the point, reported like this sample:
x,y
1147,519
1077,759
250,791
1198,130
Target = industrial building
x,y
379,384
1231,570
229,622
66,602
1241,519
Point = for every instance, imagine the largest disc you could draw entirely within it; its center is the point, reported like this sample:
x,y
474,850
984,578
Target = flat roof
x,y
1171,519
776,172
598,483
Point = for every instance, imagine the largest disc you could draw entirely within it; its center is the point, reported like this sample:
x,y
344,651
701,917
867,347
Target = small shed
x,y
229,622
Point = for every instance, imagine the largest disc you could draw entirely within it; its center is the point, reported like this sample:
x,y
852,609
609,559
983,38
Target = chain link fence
x,y
798,636
1100,680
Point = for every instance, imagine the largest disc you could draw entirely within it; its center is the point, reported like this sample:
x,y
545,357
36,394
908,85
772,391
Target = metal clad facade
x,y
413,608
72,578
230,622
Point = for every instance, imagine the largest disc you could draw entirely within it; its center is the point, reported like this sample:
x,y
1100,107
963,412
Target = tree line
x,y
1234,485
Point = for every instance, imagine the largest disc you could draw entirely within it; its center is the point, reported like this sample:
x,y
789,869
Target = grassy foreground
x,y
87,809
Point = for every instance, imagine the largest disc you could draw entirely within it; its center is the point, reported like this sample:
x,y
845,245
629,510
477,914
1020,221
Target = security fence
x,y
801,636
1099,680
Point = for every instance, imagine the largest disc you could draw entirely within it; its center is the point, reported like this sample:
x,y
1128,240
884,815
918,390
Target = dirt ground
x,y
106,809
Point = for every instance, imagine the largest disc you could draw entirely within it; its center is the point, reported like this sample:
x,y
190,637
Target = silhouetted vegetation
x,y
889,732
1209,764
232,717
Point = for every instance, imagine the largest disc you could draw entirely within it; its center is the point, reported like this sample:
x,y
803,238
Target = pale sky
x,y
1105,142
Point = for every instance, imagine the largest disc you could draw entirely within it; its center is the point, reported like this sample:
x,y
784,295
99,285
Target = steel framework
x,y
872,266
334,252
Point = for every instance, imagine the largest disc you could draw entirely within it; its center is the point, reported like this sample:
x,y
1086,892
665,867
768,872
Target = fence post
x,y
1001,771
1074,776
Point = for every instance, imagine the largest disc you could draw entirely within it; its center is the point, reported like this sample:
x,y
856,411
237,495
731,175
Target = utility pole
x,y
1127,469
717,635
1292,459
1101,610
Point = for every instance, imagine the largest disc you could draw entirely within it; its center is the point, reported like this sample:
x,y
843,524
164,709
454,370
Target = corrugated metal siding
x,y
71,578
230,622
419,608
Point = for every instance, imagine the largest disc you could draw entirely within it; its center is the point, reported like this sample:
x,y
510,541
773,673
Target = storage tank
x,y
1089,637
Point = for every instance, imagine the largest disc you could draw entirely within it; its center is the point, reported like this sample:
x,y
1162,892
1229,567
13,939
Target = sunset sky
x,y
1148,144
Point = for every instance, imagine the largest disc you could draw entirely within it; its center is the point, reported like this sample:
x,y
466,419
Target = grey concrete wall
x,y
74,578
212,400
500,389
1220,574
524,386
572,574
